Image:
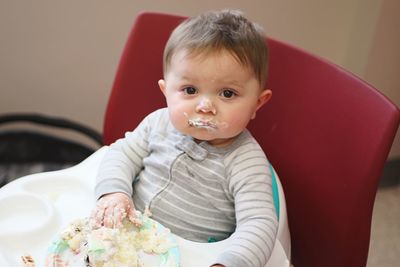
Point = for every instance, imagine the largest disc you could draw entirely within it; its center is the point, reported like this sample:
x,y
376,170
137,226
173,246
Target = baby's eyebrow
x,y
235,83
187,78
222,82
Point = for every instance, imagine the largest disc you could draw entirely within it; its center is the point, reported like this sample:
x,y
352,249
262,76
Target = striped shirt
x,y
197,190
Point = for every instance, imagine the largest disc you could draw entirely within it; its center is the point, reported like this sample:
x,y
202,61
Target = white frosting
x,y
127,246
204,123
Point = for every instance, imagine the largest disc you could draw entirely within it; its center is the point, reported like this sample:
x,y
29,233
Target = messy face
x,y
211,97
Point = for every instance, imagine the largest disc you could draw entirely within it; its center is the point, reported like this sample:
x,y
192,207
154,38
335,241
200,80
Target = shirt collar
x,y
191,148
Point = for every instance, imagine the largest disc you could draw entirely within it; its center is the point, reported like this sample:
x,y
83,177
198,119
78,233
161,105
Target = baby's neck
x,y
218,143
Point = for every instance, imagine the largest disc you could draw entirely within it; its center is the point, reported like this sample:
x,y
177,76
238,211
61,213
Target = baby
x,y
193,165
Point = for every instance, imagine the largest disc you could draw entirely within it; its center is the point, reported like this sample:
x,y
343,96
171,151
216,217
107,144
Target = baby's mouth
x,y
209,124
199,123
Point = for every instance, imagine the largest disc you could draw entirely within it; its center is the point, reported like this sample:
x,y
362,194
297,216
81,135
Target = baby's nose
x,y
205,105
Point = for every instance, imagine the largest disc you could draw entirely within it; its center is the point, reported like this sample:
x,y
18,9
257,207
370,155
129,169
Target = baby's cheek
x,y
236,125
178,117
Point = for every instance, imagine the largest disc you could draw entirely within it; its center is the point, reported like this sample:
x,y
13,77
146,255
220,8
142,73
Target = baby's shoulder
x,y
246,143
158,115
245,148
157,120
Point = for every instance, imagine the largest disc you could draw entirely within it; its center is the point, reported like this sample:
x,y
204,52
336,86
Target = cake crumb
x,y
28,260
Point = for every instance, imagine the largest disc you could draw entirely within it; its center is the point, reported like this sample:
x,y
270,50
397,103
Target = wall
x,y
383,62
60,57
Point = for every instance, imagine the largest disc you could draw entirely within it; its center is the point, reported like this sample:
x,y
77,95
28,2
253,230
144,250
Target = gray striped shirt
x,y
197,190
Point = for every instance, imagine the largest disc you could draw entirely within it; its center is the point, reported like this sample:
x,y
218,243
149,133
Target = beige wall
x,y
60,57
382,68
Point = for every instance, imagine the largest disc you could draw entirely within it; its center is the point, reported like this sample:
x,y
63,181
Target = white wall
x,y
60,57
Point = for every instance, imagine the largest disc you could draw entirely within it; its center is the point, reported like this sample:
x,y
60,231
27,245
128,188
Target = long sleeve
x,y
254,237
123,161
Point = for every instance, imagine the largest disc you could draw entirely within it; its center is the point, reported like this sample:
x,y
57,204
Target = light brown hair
x,y
221,30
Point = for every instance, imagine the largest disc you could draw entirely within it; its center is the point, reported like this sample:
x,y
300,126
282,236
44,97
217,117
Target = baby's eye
x,y
228,93
190,90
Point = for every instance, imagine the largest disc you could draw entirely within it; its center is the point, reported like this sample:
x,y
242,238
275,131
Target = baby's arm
x,y
118,169
255,234
122,163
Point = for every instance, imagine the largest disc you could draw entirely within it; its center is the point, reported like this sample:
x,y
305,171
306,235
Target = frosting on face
x,y
208,124
199,123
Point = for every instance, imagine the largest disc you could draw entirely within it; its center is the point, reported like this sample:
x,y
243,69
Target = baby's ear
x,y
263,98
161,84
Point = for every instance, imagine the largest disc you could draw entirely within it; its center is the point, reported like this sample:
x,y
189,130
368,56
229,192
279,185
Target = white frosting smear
x,y
205,123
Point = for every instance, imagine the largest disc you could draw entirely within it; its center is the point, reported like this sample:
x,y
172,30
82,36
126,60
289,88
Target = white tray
x,y
34,208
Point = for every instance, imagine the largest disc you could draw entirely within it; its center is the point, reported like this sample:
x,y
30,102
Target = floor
x,y
385,234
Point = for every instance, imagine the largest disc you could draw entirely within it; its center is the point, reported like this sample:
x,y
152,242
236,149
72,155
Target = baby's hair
x,y
221,30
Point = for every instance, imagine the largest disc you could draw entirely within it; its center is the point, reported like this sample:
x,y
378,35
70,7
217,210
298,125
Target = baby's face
x,y
211,97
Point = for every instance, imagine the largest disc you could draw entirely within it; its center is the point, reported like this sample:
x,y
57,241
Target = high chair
x,y
326,132
35,208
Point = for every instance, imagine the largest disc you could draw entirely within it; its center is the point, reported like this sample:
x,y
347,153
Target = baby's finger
x,y
134,218
108,221
98,216
109,218
119,215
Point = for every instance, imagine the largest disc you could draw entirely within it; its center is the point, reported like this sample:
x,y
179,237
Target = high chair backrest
x,y
326,132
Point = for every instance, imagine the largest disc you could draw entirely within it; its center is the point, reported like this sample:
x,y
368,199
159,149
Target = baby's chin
x,y
212,136
198,133
201,135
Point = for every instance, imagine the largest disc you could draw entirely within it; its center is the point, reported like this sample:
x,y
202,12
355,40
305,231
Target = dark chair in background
x,y
27,146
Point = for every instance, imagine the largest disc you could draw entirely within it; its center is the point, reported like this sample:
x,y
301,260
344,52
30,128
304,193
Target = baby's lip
x,y
200,123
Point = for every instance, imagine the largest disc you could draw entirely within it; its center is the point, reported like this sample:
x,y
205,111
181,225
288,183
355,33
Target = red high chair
x,y
326,132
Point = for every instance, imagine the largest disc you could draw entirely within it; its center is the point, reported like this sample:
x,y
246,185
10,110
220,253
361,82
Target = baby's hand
x,y
111,209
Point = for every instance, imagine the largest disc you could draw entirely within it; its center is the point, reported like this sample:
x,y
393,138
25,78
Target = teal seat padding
x,y
275,192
